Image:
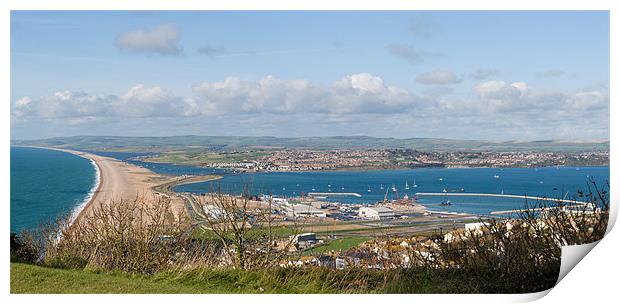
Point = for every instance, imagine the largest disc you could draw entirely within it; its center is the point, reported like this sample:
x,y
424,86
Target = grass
x,y
32,279
197,157
339,244
36,279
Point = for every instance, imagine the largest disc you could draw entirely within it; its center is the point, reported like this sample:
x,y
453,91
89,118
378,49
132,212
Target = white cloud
x,y
162,40
141,101
357,93
354,104
438,77
498,96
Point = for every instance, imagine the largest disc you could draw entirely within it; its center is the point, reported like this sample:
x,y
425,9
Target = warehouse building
x,y
376,213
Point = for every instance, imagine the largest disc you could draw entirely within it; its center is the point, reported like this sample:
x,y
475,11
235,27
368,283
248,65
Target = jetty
x,y
557,200
334,194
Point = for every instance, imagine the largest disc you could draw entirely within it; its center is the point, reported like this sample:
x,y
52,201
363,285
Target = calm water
x,y
550,182
46,184
160,168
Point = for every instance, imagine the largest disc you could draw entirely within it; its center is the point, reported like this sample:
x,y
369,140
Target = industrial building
x,y
302,210
376,213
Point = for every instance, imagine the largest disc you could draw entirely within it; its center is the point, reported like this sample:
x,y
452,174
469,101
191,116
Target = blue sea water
x,y
160,168
46,184
542,182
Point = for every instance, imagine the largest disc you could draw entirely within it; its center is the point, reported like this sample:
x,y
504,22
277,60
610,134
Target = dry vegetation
x,y
133,237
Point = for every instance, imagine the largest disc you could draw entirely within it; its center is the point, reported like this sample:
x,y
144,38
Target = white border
x,y
601,264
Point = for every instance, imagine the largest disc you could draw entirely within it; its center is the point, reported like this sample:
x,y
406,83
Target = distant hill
x,y
228,143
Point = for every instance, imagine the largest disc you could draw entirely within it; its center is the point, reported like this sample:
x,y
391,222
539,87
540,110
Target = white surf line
x,y
79,208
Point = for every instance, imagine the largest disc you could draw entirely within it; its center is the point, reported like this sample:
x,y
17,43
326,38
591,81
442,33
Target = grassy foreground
x,y
31,279
36,279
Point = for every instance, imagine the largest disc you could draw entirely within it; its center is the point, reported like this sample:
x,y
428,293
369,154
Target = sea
x,y
46,184
373,186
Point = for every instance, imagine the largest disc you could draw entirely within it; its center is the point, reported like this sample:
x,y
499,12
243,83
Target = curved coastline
x,y
115,180
96,188
91,194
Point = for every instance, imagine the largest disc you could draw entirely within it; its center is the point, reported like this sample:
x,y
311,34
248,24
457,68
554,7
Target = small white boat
x,y
441,178
283,188
495,176
414,184
406,186
393,188
381,186
369,189
444,190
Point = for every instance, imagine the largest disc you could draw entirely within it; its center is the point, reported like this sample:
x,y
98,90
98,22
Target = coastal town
x,y
357,159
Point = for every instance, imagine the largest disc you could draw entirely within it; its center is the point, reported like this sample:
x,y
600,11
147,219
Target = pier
x,y
557,200
334,194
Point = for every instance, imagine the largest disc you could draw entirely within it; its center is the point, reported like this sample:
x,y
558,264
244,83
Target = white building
x,y
475,228
302,210
376,213
214,212
280,201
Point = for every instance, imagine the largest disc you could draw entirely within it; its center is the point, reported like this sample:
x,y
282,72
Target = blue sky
x,y
467,75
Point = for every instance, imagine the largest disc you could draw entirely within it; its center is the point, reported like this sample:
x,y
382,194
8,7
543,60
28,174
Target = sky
x,y
521,75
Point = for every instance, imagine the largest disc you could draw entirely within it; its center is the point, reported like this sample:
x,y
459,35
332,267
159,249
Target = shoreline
x,y
91,194
78,210
114,179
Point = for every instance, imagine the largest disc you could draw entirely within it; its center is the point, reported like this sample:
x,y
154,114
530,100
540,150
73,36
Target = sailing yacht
x,y
414,184
381,186
393,188
406,185
369,189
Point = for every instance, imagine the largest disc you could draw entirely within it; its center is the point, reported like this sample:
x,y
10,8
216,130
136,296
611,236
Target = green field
x,y
193,157
228,143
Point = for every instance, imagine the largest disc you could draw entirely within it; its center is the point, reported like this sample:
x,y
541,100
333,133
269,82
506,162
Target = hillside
x,y
228,143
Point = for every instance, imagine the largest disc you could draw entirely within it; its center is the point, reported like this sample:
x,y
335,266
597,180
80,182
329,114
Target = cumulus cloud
x,y
163,40
438,77
357,103
138,101
409,53
357,93
499,96
480,74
